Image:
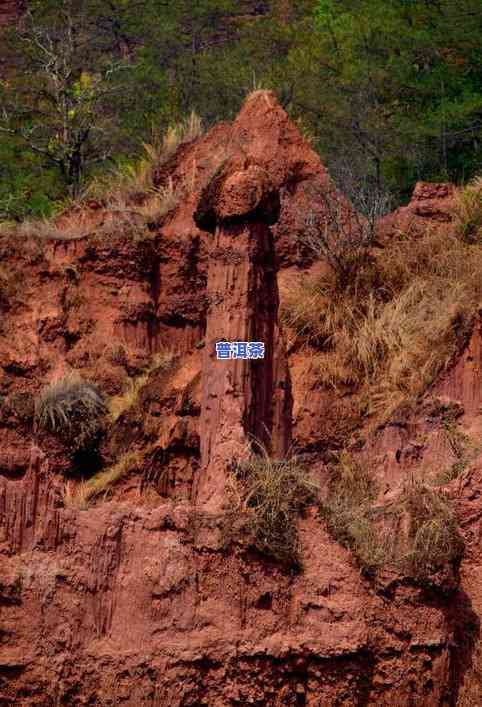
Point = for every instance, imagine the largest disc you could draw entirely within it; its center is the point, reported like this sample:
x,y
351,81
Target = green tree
x,y
63,114
396,84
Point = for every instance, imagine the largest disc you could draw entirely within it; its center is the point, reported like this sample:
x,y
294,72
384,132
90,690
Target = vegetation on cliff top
x,y
396,323
393,89
415,534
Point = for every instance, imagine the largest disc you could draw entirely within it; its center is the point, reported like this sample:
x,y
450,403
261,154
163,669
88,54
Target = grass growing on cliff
x,y
432,537
161,361
468,209
347,511
268,496
415,534
45,230
393,333
102,482
72,408
132,185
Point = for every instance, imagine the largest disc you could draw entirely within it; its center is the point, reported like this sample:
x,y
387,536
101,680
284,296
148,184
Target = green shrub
x,y
270,494
71,408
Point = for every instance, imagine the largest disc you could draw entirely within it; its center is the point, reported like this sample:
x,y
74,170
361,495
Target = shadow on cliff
x,y
465,624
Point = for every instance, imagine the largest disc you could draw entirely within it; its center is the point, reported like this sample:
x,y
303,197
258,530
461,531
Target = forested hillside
x,y
390,92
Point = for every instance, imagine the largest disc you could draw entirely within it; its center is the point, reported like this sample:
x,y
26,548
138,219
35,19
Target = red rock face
x,y
9,10
136,600
430,205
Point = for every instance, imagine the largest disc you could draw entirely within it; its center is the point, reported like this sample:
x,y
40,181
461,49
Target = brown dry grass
x,y
45,230
399,327
134,182
432,537
415,534
84,493
128,192
163,360
267,497
347,511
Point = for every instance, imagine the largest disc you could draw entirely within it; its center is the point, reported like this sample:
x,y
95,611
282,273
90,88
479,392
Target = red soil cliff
x,y
135,600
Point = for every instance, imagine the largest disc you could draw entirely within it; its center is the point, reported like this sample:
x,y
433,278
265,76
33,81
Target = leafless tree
x,y
62,113
344,230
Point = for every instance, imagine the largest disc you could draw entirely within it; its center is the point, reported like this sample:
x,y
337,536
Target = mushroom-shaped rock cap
x,y
234,195
242,192
264,152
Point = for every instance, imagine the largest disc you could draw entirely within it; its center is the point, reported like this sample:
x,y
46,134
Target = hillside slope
x,y
127,592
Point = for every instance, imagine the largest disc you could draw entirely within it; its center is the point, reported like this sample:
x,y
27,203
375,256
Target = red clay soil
x,y
136,600
9,10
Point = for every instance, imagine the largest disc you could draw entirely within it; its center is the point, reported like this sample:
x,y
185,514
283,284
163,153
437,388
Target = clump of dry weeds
x,y
131,188
72,408
267,497
81,495
394,331
415,534
432,537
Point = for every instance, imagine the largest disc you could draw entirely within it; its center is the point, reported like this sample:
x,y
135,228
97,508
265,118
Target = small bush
x,y
341,238
432,536
71,408
346,229
416,534
269,495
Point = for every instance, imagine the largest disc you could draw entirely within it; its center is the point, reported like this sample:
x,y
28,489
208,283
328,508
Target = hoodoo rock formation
x,y
136,599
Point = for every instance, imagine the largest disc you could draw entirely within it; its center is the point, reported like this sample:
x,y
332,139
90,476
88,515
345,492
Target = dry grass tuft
x,y
347,511
400,327
468,211
463,449
416,534
160,203
119,404
45,230
130,187
163,148
432,538
102,482
71,408
268,495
